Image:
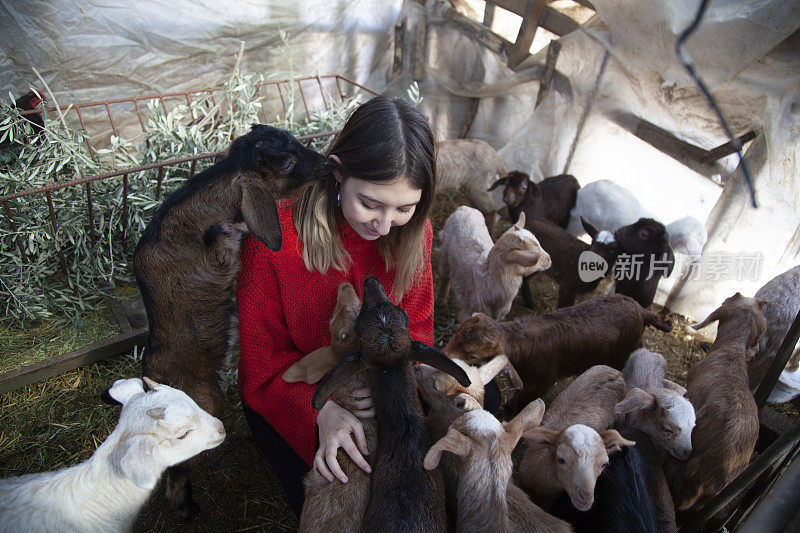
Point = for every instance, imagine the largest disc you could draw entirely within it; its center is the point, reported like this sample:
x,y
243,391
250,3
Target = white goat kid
x,y
485,276
156,429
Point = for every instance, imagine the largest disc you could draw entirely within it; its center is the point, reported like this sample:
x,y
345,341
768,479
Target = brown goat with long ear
x,y
404,496
337,506
187,261
544,348
571,447
727,417
552,199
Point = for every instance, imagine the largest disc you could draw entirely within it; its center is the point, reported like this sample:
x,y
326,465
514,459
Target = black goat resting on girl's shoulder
x,y
187,261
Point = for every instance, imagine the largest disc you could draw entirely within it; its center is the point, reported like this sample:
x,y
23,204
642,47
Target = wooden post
x,y
488,14
399,42
549,71
530,22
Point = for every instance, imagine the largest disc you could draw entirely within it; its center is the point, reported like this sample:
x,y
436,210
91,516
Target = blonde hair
x,y
383,139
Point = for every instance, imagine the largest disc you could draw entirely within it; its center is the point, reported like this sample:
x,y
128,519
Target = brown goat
x,y
470,165
567,254
404,496
544,348
552,199
187,260
486,500
332,506
727,417
571,447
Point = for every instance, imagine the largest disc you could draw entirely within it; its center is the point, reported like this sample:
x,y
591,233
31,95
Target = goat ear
x,y
312,367
135,459
429,355
589,228
635,400
713,317
151,384
338,377
520,223
502,181
124,389
527,419
671,385
613,441
541,435
454,441
156,413
526,258
261,214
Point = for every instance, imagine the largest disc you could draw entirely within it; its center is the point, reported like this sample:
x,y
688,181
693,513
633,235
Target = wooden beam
x,y
549,71
530,22
557,22
71,360
420,42
728,148
477,31
119,314
471,112
488,14
399,40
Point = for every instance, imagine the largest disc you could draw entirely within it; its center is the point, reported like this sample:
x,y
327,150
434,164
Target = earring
x,y
338,195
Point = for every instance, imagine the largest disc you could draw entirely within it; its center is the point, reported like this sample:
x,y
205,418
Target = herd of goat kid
x,y
622,448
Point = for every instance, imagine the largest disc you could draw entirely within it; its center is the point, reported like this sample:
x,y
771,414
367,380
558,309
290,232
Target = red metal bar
x,y
322,92
163,105
348,80
161,172
283,103
55,231
91,212
111,119
139,114
88,137
303,96
14,229
339,86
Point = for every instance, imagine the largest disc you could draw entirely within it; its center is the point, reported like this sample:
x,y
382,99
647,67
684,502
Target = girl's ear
x,y
336,161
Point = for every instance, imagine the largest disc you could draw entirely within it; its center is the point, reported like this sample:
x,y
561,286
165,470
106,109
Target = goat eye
x,y
644,234
185,434
561,461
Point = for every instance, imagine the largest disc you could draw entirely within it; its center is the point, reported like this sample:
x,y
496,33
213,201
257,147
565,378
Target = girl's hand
x,y
335,427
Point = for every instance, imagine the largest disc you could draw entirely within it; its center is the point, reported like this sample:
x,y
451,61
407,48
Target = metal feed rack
x,y
78,111
110,111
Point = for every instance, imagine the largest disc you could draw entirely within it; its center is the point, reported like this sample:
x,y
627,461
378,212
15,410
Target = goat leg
x,y
527,294
178,491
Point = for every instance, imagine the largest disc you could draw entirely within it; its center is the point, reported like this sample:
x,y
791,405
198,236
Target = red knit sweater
x,y
284,313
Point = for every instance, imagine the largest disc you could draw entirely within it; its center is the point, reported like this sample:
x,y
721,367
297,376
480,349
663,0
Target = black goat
x,y
552,199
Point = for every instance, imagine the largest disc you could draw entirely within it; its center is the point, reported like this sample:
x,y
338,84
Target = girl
x,y
371,220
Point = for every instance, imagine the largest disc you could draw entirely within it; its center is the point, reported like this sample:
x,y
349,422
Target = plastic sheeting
x,y
91,50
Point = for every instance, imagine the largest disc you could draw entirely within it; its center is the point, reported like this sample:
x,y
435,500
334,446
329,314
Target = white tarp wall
x,y
89,50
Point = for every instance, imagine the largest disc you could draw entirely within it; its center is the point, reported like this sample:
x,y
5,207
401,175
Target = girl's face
x,y
372,208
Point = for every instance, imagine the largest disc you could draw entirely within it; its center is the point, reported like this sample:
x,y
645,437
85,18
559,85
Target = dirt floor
x,y
60,422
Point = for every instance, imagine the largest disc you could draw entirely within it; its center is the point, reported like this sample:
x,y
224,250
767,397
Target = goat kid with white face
x,y
156,430
579,454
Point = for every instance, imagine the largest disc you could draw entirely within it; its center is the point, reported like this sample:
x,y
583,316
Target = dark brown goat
x,y
544,348
404,496
187,260
567,253
644,256
552,199
727,417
